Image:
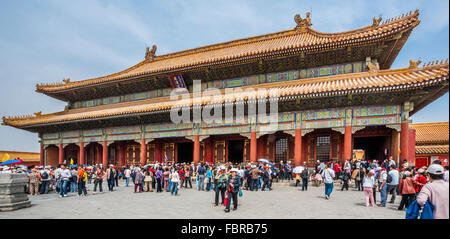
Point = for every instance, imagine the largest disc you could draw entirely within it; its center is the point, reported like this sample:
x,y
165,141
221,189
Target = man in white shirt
x,y
45,179
328,175
65,175
127,175
383,186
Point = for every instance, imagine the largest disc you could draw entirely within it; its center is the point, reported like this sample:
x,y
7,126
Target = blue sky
x,y
46,41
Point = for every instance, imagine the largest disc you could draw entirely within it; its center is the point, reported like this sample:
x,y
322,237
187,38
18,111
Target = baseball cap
x,y
435,169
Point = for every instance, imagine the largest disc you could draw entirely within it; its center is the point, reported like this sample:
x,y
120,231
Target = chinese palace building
x,y
337,94
432,142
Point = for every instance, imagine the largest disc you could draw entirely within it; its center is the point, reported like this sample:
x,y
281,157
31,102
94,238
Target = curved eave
x,y
388,29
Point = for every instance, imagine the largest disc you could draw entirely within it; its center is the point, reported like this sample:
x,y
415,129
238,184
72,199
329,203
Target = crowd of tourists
x,y
414,185
420,185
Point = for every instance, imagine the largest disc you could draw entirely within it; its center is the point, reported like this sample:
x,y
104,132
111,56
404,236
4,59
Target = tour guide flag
x,y
71,161
5,157
165,157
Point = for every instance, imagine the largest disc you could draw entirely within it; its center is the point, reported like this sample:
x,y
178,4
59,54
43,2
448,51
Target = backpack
x,y
187,173
389,178
44,175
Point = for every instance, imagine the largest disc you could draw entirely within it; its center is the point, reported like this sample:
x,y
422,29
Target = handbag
x,y
240,193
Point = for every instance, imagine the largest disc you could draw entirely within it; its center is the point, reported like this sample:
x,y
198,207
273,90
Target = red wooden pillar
x,y
404,140
81,160
348,143
253,147
61,154
42,155
196,149
105,154
209,150
143,152
121,154
298,147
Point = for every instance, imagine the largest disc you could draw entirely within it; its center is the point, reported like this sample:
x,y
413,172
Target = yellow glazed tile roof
x,y
244,49
386,80
432,133
432,149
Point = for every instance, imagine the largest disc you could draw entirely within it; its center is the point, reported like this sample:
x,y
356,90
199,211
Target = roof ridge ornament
x,y
303,23
150,54
414,64
66,81
376,21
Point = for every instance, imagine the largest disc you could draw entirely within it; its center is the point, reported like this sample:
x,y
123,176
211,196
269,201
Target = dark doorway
x,y
235,151
373,146
185,152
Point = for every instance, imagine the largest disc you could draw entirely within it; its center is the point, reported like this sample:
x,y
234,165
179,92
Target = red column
x,y
253,147
61,154
143,152
196,149
158,152
348,143
105,154
209,150
42,155
81,159
404,140
298,147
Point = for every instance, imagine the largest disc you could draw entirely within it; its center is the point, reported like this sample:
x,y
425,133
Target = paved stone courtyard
x,y
283,202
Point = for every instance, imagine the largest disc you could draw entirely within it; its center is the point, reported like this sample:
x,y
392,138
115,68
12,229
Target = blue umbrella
x,y
263,160
12,161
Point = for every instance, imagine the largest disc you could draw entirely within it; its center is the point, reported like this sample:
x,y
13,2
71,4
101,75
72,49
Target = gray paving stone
x,y
283,202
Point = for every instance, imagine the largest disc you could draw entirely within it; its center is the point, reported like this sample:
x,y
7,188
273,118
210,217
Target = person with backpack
x,y
45,179
148,181
305,176
345,179
221,187
328,176
201,172
82,178
436,192
266,179
99,173
111,174
392,182
187,177
73,180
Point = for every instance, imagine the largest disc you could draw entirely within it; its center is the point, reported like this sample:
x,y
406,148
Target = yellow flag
x,y
71,161
5,157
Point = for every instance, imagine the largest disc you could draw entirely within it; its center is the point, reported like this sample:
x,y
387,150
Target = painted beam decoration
x,y
177,81
307,120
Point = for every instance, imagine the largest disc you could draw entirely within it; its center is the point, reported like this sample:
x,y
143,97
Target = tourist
x,y
89,174
254,178
175,180
201,172
221,185
138,177
328,176
345,178
82,178
148,181
436,192
234,184
34,182
127,175
110,177
383,187
419,180
158,177
45,179
317,177
187,177
73,180
118,175
58,176
209,178
304,176
99,173
266,179
367,183
407,190
392,182
65,176
166,178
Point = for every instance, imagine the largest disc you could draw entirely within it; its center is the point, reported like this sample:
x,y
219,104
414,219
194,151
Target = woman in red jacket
x,y
407,190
